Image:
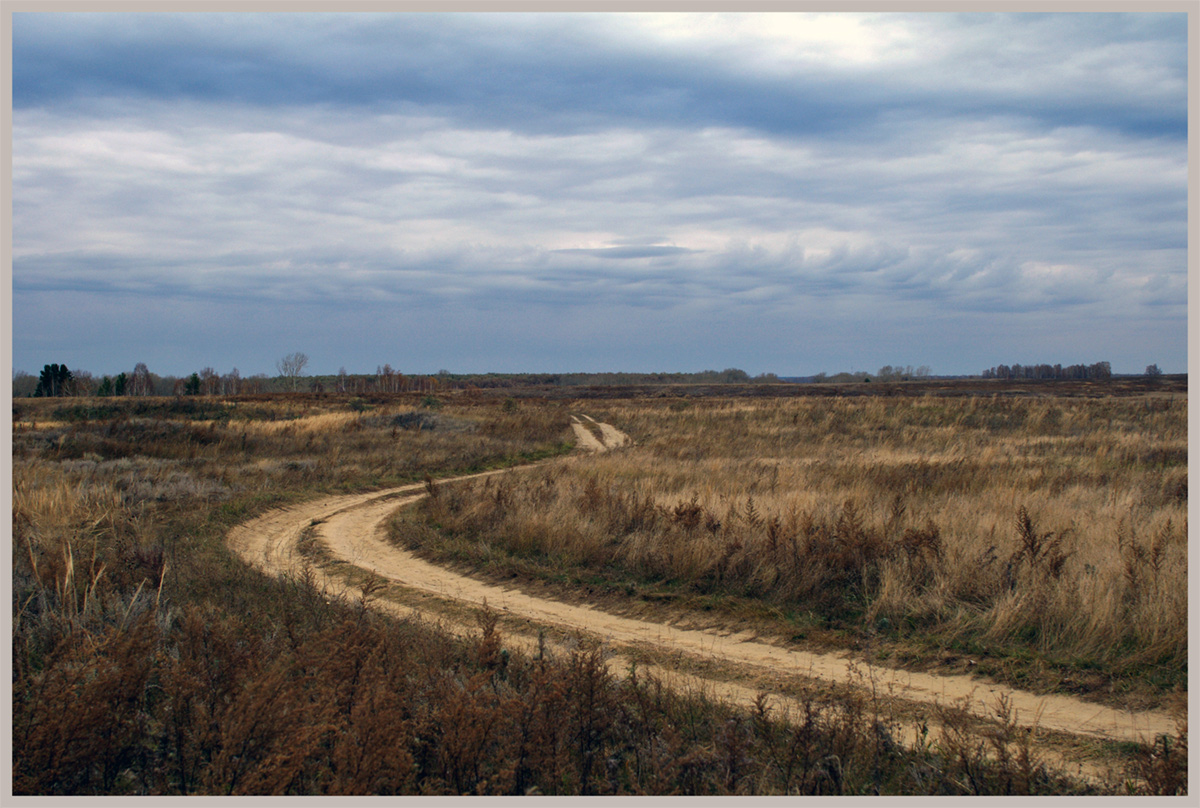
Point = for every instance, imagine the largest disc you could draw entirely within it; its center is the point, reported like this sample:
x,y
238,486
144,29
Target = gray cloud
x,y
629,251
479,167
573,72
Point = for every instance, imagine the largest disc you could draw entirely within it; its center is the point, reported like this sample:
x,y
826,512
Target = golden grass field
x,y
1042,540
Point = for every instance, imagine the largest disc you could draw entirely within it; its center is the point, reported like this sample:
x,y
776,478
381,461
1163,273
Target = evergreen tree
x,y
55,380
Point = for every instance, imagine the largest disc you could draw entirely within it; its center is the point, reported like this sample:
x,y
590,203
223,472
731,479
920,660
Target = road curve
x,y
353,526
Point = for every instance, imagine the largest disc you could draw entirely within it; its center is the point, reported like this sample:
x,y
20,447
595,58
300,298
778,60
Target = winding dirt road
x,y
352,529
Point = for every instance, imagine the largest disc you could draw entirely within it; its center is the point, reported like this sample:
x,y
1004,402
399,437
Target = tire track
x,y
353,528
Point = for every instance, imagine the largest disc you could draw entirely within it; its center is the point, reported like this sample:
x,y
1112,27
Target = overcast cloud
x,y
540,192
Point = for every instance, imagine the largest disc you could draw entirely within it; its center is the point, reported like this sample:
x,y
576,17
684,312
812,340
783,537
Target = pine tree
x,y
55,380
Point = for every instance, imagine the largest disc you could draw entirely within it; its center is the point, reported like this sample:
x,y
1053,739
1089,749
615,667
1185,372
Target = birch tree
x,y
291,366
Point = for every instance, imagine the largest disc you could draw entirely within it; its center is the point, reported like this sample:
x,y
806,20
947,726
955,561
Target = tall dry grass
x,y
999,526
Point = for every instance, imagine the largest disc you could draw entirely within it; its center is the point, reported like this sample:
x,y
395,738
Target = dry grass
x,y
146,660
1051,528
304,425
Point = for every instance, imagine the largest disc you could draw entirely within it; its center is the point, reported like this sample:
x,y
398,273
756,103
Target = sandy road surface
x,y
584,437
612,437
352,527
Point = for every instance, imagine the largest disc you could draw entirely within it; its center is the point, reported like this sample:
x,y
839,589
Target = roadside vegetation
x,y
148,660
1043,542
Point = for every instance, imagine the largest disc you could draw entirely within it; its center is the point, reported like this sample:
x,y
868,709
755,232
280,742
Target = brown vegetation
x,y
147,660
1045,537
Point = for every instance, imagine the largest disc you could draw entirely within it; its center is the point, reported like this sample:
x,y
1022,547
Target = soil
x,y
584,437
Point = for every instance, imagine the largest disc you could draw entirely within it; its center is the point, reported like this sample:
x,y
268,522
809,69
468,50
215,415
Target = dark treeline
x,y
1098,371
57,380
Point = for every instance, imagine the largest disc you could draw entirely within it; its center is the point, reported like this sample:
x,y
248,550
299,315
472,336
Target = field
x,y
1037,541
1045,539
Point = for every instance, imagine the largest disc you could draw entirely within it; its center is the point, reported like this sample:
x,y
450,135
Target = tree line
x,y
887,373
57,380
1097,371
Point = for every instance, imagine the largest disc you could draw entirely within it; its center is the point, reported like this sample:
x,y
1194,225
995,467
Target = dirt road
x,y
352,529
585,438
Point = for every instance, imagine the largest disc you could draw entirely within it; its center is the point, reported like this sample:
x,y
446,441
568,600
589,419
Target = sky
x,y
553,192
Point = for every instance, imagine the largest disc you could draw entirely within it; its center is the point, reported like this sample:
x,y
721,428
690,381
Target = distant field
x,y
1038,540
1115,387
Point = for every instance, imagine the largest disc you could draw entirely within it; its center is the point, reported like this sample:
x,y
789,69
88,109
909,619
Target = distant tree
x,y
255,384
82,384
342,379
386,378
24,384
55,380
903,373
210,381
161,385
121,384
1153,371
106,387
1099,370
231,383
192,386
140,383
291,366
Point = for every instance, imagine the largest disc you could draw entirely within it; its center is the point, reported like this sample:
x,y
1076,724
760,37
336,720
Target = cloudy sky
x,y
564,191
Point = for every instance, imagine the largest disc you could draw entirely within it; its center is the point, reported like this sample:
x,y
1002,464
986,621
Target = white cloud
x,y
779,43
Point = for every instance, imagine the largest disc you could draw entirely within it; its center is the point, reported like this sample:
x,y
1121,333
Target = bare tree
x,y
210,381
140,383
83,383
23,384
292,366
231,383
